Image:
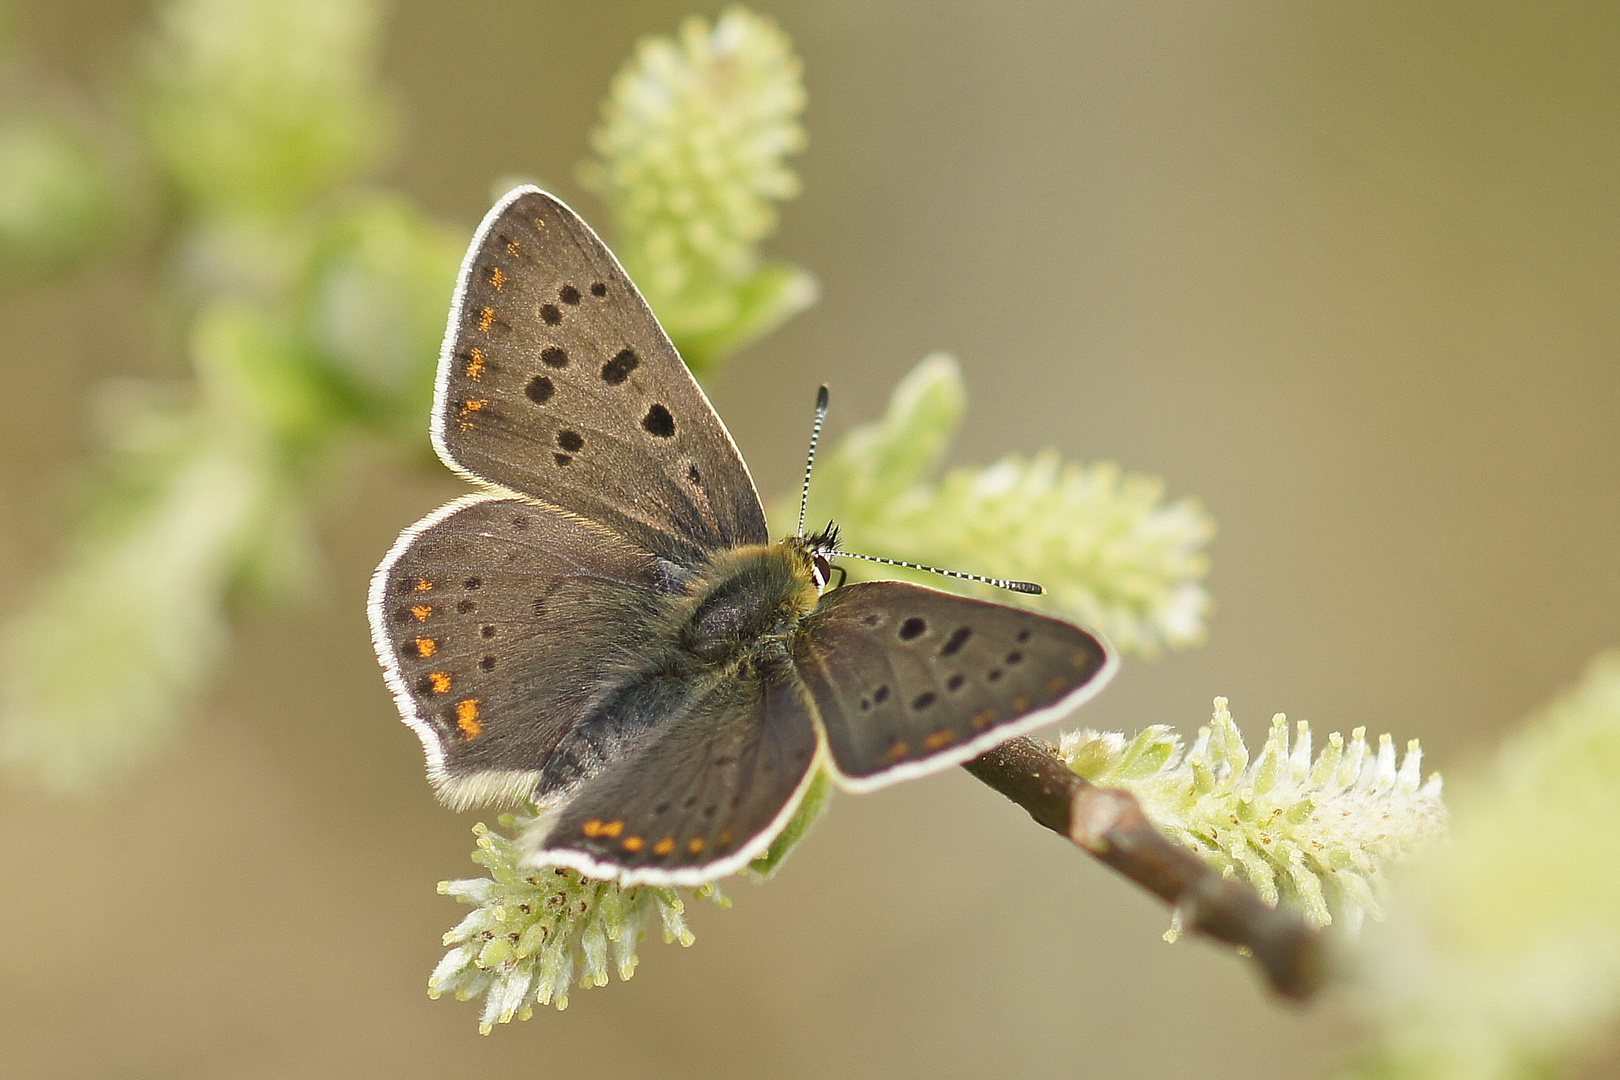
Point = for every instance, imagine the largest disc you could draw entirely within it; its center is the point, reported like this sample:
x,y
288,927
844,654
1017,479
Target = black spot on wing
x,y
954,643
658,421
618,369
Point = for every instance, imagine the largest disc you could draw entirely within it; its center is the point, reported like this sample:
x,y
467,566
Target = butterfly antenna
x,y
815,437
1028,587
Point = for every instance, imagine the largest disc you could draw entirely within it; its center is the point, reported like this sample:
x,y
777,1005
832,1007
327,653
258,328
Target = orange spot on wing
x,y
898,750
475,365
1082,659
440,681
937,739
1056,685
612,828
486,318
1021,703
633,843
467,718
423,585
696,845
426,647
592,827
983,719
497,278
467,409
664,846
513,247
725,837
422,611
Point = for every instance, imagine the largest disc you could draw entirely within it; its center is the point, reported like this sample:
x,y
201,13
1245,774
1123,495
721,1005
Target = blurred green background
x,y
1345,272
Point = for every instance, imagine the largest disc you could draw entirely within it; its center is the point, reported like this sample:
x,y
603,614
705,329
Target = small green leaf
x,y
811,807
878,464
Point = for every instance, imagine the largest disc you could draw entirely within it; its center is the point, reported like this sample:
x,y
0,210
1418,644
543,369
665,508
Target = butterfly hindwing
x,y
501,626
717,776
908,680
557,382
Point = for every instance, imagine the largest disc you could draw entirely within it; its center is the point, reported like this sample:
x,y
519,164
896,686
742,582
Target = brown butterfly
x,y
606,628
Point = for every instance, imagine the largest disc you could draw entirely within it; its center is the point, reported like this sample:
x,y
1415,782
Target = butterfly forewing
x,y
502,625
908,679
557,383
723,767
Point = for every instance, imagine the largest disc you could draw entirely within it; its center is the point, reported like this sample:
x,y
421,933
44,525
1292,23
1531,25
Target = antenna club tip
x,y
1028,587
822,397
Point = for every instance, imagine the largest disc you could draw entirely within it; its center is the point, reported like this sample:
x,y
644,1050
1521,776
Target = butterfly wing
x,y
717,776
909,680
501,625
557,382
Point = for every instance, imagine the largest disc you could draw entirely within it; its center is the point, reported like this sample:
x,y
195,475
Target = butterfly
x,y
606,629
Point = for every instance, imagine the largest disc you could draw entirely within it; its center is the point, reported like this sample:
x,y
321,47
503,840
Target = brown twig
x,y
1108,823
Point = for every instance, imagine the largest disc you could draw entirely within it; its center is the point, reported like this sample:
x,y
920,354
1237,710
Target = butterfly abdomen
x,y
751,598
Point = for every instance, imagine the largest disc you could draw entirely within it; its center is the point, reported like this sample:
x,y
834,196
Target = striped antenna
x,y
827,541
815,437
1028,587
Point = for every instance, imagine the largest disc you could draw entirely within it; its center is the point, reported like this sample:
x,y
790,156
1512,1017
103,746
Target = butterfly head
x,y
814,554
817,550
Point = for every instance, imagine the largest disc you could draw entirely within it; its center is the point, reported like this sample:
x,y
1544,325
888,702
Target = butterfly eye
x,y
822,569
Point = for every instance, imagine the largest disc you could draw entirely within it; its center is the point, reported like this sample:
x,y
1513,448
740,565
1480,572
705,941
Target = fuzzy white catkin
x,y
1316,832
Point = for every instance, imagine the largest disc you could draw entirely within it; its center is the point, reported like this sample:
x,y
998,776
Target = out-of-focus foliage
x,y
1314,833
376,290
1501,957
691,161
59,198
308,309
260,108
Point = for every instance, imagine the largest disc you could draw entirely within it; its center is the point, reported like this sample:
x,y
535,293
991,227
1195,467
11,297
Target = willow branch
x,y
1108,823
